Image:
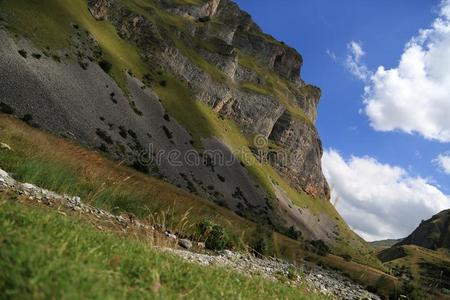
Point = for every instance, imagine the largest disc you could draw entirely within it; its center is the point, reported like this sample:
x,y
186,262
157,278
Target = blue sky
x,y
322,31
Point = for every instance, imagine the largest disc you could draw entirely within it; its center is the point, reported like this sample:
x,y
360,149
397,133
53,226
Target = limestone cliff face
x,y
234,53
211,52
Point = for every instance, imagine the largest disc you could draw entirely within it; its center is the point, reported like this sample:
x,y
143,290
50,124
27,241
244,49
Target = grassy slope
x,y
415,258
60,165
46,255
51,22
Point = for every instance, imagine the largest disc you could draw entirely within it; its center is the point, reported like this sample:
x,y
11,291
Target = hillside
x,y
177,112
125,209
431,234
423,258
139,80
383,244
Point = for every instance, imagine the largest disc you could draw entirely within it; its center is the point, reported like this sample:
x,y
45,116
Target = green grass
x,y
49,256
416,260
254,88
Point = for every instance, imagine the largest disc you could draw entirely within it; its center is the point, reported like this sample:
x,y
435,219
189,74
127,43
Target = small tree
x,y
216,238
262,243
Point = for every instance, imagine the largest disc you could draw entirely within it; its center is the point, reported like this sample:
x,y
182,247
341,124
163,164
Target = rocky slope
x,y
142,79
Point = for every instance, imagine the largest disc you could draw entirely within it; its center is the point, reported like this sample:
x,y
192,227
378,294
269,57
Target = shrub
x,y
293,234
56,58
262,243
104,136
23,53
408,289
105,65
132,134
166,117
168,133
216,238
27,118
204,19
6,109
319,247
347,257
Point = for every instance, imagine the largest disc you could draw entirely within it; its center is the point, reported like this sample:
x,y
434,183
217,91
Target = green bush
x,y
6,109
347,257
105,65
204,19
216,238
410,290
318,247
262,243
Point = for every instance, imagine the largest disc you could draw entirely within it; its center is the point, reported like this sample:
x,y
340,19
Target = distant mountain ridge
x,y
382,244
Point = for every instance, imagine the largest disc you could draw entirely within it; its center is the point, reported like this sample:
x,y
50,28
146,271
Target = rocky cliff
x,y
193,76
226,38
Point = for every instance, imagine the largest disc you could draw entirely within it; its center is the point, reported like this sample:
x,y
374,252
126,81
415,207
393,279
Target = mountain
x,y
423,257
383,244
180,113
201,79
191,92
431,234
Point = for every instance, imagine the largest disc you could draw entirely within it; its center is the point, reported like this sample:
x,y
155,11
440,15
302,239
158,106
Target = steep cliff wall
x,y
244,74
198,77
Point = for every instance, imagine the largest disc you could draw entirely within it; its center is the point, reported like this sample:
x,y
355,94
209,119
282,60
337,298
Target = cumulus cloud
x,y
443,161
414,97
377,200
354,61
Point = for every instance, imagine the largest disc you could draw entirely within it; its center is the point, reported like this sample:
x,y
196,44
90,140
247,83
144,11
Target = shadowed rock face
x,y
61,98
432,234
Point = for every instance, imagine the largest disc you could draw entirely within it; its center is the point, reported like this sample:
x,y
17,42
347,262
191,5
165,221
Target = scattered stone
x,y
186,244
227,253
170,235
4,146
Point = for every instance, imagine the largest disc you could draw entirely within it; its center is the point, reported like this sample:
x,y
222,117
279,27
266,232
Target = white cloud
x,y
414,97
378,200
443,161
332,55
354,61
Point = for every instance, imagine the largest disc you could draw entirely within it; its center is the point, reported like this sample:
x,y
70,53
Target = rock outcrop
x,y
226,37
222,57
